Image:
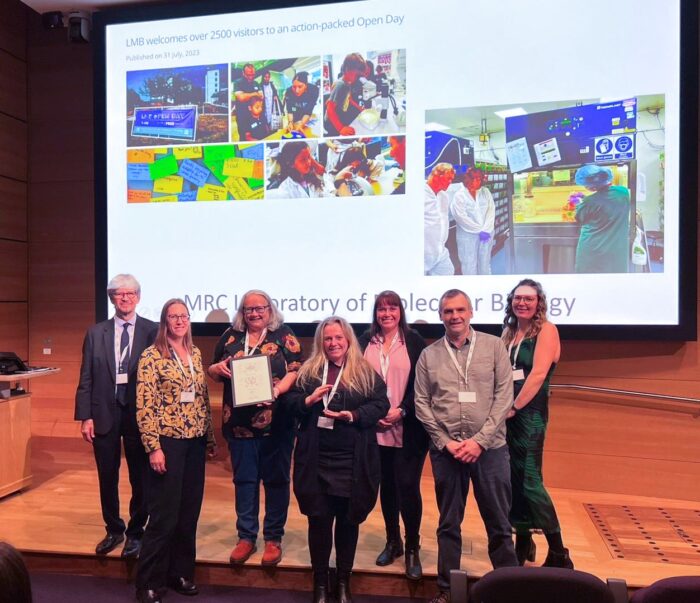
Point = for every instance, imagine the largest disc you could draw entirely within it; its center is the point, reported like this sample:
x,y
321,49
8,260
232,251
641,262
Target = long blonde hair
x,y
358,375
161,341
510,322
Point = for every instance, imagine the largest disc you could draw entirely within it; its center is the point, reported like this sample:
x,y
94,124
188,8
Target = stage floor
x,y
59,515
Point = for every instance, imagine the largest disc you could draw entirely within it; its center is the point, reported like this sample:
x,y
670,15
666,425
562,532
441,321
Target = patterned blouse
x,y
159,410
284,351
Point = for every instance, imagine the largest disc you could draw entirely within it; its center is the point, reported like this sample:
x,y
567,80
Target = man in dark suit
x,y
105,402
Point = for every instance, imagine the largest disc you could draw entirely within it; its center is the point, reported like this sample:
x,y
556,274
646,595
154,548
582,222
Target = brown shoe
x,y
273,553
242,551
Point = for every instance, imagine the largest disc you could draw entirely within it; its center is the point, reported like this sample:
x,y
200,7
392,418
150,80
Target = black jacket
x,y
366,470
95,397
415,438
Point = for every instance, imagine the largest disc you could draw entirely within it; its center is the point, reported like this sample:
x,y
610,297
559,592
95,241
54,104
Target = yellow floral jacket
x,y
159,410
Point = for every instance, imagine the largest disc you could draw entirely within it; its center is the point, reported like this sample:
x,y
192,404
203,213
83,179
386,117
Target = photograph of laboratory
x,y
364,93
360,167
557,187
276,99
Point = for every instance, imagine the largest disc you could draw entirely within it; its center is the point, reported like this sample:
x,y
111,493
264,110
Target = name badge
x,y
326,422
187,397
467,397
518,374
388,393
122,378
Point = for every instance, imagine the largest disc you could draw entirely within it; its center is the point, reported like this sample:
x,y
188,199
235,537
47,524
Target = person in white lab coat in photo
x,y
436,258
473,210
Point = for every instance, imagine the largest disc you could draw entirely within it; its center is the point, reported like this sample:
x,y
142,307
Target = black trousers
x,y
321,538
108,455
175,501
400,492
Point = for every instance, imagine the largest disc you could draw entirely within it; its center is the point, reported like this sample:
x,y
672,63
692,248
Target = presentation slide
x,y
325,153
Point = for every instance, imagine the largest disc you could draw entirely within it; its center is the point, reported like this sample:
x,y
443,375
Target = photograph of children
x,y
336,168
365,93
554,187
195,173
182,104
276,99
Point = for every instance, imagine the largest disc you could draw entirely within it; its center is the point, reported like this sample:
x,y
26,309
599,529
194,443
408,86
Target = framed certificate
x,y
251,380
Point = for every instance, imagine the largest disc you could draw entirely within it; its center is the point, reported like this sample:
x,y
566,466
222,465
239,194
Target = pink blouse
x,y
396,380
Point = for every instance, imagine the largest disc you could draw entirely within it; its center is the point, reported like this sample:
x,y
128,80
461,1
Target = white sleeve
x,y
462,214
490,213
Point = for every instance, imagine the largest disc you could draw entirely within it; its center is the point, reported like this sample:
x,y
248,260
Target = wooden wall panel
x,y
61,272
13,270
13,86
13,209
13,148
13,328
13,28
62,211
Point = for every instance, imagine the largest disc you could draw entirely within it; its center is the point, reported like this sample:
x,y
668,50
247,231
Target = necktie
x,y
123,363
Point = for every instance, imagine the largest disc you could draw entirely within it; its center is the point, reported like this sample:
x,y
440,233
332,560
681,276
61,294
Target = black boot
x,y
321,594
343,594
525,548
414,570
558,559
392,550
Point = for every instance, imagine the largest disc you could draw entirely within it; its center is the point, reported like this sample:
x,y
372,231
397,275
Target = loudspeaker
x,y
52,20
79,27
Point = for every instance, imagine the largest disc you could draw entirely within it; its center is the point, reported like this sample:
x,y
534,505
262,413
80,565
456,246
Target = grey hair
x,y
127,281
450,293
276,317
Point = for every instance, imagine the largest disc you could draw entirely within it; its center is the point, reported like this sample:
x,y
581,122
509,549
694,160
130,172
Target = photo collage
x,y
315,126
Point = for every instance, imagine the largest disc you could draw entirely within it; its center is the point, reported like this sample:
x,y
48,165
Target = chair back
x,y
540,585
680,589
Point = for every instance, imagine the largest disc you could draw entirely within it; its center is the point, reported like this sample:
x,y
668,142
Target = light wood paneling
x,y
61,272
13,271
13,328
13,148
13,86
15,438
13,209
13,27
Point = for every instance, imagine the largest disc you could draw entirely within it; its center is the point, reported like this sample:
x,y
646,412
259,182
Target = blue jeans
x,y
268,460
491,477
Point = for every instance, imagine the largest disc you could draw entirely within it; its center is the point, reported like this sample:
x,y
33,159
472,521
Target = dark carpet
x,y
62,588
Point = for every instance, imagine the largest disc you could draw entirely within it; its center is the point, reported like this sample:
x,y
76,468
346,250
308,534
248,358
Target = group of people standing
x,y
364,414
473,210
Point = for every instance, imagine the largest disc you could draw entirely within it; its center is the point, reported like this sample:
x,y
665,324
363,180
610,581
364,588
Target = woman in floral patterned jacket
x,y
260,438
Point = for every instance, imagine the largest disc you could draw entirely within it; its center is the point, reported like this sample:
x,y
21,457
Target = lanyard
x,y
246,350
517,351
328,396
453,357
384,358
188,383
123,354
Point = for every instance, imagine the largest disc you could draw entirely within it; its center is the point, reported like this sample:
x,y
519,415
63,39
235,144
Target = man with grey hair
x,y
105,403
463,392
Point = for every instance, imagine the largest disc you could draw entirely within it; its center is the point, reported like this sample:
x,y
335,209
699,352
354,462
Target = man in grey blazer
x,y
105,403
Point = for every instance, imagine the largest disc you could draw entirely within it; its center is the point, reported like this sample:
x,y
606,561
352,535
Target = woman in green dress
x,y
534,349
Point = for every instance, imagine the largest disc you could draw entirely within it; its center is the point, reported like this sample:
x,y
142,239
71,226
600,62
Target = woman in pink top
x,y
393,350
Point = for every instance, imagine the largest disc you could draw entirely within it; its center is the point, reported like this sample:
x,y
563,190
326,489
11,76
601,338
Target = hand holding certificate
x,y
251,380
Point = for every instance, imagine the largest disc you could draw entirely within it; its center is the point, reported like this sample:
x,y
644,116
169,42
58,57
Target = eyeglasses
x,y
124,294
178,317
527,299
255,309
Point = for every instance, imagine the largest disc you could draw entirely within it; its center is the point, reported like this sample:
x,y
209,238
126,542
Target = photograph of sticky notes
x,y
179,104
195,173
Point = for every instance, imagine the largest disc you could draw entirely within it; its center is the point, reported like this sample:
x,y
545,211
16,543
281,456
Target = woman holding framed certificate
x,y
339,399
260,435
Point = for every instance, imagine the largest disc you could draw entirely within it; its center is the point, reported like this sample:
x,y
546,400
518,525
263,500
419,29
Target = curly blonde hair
x,y
510,322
